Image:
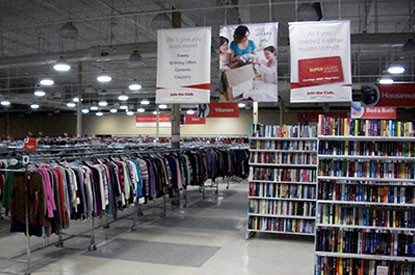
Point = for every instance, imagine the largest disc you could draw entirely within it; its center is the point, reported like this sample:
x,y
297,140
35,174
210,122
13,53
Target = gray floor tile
x,y
222,205
202,223
156,252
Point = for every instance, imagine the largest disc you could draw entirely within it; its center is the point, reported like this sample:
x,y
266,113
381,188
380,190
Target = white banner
x,y
248,62
183,65
320,61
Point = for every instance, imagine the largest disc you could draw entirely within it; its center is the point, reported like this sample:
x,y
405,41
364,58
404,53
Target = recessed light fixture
x,y
47,82
70,104
5,103
155,113
141,110
34,106
62,65
93,107
163,106
123,97
145,101
113,110
134,86
104,78
123,107
396,68
241,105
190,112
103,103
75,99
130,113
99,114
386,80
85,111
39,92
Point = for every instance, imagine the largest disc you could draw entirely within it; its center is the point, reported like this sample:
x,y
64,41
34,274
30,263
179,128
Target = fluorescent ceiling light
x,y
141,110
99,114
386,80
47,82
155,113
124,107
130,113
134,86
39,92
62,65
75,99
93,108
5,102
396,69
103,103
123,97
104,78
70,104
145,101
113,110
34,106
85,111
241,105
163,106
190,112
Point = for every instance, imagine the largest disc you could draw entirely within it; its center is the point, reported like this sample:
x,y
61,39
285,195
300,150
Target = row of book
x,y
283,174
305,145
366,193
281,225
283,158
261,130
277,207
341,266
372,127
368,242
282,190
366,148
357,216
367,169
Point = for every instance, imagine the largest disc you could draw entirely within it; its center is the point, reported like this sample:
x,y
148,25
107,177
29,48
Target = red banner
x,y
361,112
219,109
30,144
151,120
399,95
194,120
313,116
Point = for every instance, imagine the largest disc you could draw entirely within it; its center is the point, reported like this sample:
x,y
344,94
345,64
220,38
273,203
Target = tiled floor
x,y
205,238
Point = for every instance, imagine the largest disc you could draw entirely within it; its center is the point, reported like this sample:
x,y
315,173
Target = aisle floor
x,y
205,238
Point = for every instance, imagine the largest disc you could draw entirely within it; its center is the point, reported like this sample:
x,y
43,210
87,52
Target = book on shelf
x,y
283,174
282,190
284,225
281,207
283,158
283,131
371,127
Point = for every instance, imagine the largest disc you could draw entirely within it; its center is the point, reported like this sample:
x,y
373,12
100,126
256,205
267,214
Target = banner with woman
x,y
248,62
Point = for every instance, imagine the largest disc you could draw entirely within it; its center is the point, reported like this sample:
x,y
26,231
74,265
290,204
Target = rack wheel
x,y
60,244
140,214
92,247
106,226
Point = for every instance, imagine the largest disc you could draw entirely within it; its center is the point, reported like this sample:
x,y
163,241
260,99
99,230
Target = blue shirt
x,y
237,51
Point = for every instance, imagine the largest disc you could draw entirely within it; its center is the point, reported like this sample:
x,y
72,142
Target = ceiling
x,y
109,31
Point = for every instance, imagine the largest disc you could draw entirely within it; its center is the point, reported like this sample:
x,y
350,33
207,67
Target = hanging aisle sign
x,y
320,61
183,65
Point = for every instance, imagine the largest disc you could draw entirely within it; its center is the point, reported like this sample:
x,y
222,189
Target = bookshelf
x,y
282,179
365,220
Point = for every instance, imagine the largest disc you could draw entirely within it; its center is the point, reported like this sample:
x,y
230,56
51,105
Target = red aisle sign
x,y
399,95
219,109
30,144
194,120
360,112
151,120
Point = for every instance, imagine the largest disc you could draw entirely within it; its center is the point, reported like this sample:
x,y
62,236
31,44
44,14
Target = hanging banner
x,y
248,62
150,121
218,109
399,95
194,120
320,61
30,144
360,112
183,65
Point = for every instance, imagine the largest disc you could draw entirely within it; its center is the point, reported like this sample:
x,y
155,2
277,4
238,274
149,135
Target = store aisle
x,y
206,238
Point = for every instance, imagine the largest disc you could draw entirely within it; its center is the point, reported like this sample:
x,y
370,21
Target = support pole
x,y
281,110
157,123
175,126
255,113
79,105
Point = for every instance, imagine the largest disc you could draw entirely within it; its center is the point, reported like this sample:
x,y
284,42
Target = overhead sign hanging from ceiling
x,y
248,62
183,65
399,95
320,61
